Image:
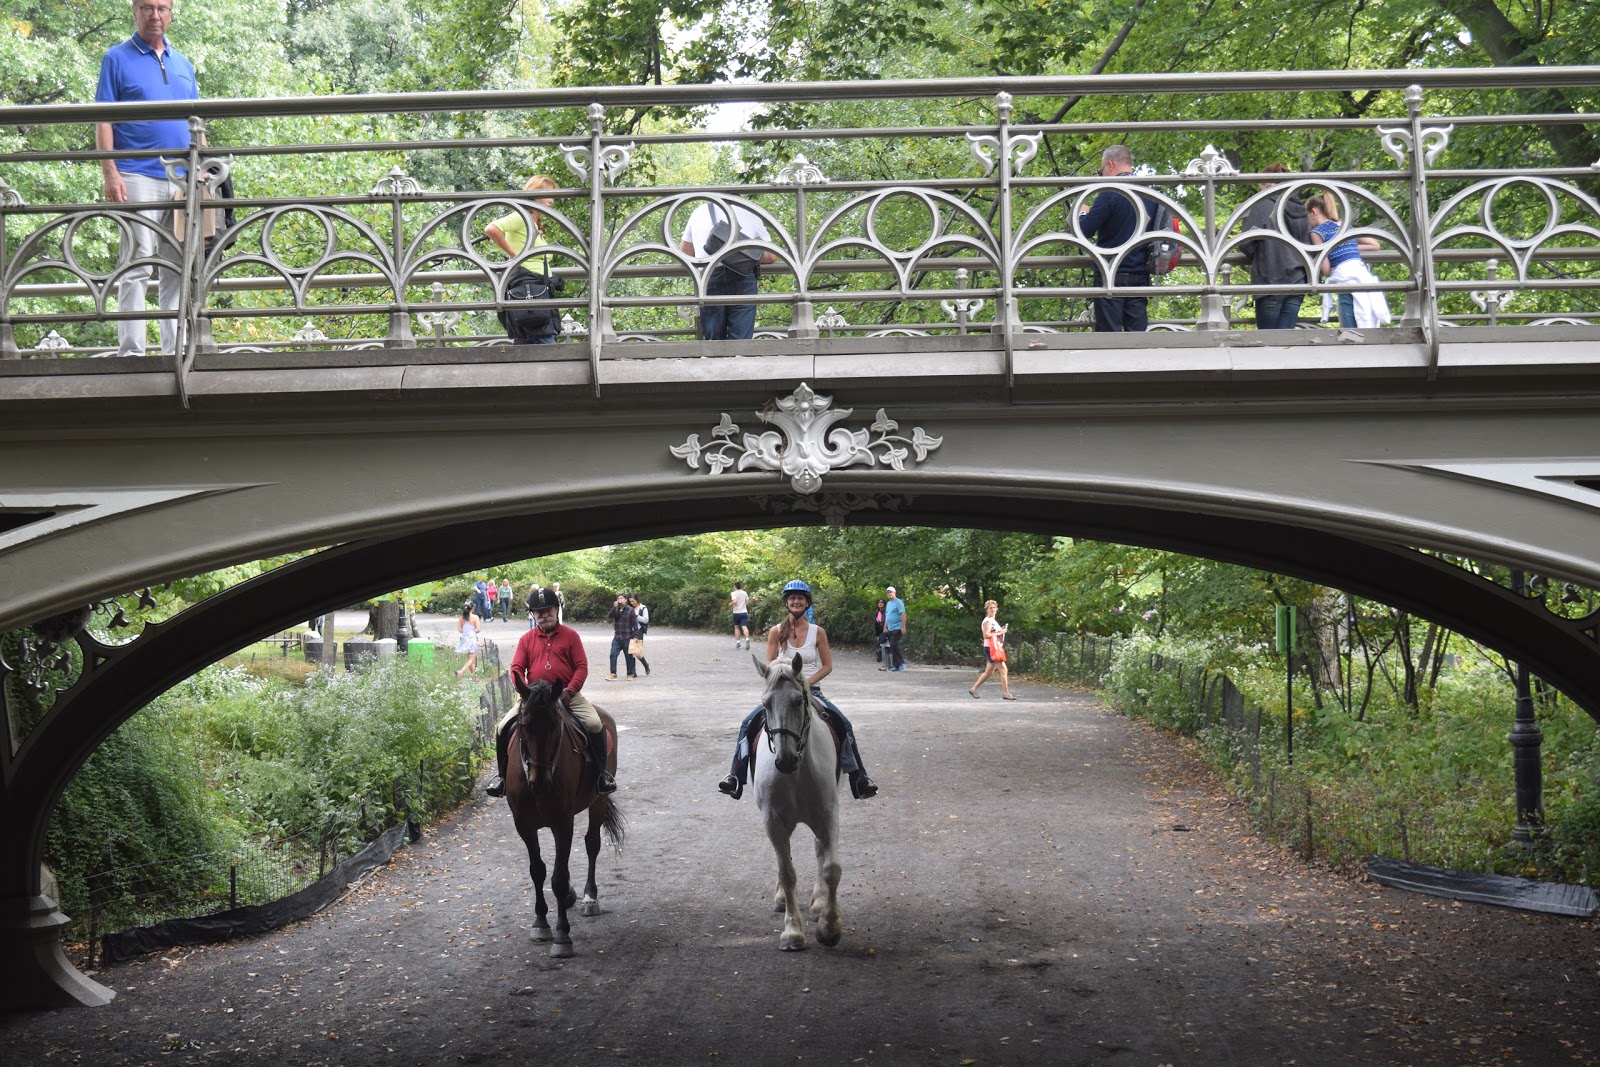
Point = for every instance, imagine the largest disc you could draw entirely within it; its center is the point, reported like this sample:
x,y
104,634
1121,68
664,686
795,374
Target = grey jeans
x,y
133,287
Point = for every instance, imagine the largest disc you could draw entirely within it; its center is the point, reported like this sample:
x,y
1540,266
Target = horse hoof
x,y
792,942
561,950
539,934
589,906
778,905
572,898
829,935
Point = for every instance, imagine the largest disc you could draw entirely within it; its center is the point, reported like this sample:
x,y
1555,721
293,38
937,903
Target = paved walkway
x,y
1039,882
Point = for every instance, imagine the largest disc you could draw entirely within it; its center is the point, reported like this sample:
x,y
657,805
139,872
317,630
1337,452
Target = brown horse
x,y
549,780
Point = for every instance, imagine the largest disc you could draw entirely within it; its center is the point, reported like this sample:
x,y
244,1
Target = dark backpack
x,y
744,260
1161,255
524,324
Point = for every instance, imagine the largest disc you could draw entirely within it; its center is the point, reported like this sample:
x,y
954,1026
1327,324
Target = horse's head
x,y
788,705
540,723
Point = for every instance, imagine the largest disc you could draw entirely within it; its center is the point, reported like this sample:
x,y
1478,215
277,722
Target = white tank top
x,y
808,652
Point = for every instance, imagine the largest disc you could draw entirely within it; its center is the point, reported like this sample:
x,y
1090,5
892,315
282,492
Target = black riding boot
x,y
497,784
603,782
862,787
733,785
739,773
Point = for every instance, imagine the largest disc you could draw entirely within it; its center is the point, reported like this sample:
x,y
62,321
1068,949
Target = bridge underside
x,y
1284,459
127,678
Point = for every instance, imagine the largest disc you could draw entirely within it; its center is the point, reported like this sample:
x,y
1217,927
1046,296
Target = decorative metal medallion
x,y
396,183
801,172
806,444
1210,163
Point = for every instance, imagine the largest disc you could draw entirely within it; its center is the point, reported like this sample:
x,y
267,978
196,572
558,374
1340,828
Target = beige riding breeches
x,y
582,710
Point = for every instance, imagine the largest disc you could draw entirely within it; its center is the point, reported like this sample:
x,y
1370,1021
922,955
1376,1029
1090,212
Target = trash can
x,y
312,644
420,652
355,652
384,646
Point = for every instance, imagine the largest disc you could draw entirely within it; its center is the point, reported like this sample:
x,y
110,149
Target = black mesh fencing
x,y
209,883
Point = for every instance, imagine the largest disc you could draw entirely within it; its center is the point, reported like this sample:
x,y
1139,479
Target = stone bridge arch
x,y
117,682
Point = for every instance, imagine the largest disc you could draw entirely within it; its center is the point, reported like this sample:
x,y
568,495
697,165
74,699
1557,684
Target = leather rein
x,y
529,764
804,733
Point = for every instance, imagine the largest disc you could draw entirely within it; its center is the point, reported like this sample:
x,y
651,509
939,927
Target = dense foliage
x,y
229,764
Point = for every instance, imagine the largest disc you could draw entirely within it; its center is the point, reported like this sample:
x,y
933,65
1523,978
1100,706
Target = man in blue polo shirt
x,y
145,67
894,624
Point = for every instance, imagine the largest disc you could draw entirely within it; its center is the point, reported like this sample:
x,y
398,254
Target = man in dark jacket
x,y
1273,261
624,628
1110,223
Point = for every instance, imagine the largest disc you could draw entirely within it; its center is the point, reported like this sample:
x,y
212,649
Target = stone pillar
x,y
34,972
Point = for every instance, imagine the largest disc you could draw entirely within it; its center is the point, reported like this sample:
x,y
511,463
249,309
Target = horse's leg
x,y
541,925
591,843
561,889
794,930
825,895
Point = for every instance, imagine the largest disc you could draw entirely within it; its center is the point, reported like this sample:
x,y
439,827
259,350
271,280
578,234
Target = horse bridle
x,y
528,763
805,727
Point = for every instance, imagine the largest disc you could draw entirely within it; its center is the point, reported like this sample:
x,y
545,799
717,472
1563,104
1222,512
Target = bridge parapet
x,y
978,237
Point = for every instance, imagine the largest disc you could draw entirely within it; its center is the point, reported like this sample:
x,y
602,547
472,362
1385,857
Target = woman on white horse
x,y
796,635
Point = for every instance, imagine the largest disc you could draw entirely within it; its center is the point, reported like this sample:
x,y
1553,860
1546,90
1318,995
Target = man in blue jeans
x,y
1272,260
734,275
1110,222
624,628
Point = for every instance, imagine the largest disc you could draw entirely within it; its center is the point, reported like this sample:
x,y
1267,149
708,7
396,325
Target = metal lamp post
x,y
1526,739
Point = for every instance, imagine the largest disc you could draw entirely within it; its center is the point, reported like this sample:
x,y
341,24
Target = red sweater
x,y
558,659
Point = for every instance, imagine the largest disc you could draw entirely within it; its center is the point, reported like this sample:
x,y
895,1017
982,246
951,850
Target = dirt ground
x,y
1038,882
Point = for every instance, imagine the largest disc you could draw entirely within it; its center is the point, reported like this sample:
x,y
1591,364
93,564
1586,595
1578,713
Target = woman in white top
x,y
467,628
795,634
643,615
994,636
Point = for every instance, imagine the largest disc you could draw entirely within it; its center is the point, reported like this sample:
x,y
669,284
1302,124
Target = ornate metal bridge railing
x,y
978,230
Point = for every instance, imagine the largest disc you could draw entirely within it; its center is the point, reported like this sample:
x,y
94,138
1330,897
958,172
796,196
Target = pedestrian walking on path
x,y
468,628
739,601
642,614
894,624
624,628
994,651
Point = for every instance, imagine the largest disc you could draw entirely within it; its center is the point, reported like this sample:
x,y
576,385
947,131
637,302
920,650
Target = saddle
x,y
571,730
827,720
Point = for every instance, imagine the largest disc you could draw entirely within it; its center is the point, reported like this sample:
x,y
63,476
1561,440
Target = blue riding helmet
x,y
797,586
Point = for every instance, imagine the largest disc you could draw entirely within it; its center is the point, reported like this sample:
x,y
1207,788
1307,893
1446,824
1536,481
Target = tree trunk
x,y
1508,46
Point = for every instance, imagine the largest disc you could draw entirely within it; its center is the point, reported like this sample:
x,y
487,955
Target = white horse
x,y
799,783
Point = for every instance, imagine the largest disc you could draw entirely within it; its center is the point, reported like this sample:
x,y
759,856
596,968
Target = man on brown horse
x,y
554,653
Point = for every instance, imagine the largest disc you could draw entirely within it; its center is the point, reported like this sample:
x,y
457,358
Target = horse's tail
x,y
613,823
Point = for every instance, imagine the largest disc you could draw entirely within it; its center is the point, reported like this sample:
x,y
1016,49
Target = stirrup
x,y
732,786
496,787
862,787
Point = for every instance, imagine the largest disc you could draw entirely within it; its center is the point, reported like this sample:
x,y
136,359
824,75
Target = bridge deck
x,y
1043,367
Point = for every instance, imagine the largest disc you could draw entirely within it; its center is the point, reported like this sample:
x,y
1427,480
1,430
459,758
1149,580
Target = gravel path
x,y
1039,882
